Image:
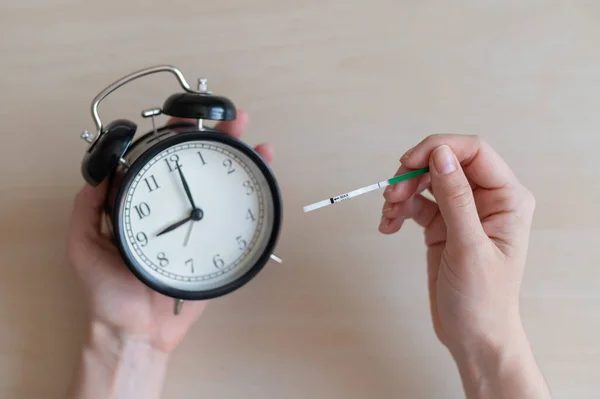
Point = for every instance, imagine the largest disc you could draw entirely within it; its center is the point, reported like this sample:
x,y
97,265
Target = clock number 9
x,y
162,259
218,262
249,188
142,239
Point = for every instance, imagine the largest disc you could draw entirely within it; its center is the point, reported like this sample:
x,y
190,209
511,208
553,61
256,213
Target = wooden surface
x,y
341,89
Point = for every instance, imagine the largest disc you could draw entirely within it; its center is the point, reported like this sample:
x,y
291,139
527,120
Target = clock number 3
x,y
249,188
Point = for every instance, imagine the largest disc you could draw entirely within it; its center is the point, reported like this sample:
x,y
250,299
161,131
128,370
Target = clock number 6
x,y
218,262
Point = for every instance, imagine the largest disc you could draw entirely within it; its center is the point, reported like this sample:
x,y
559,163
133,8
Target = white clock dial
x,y
235,208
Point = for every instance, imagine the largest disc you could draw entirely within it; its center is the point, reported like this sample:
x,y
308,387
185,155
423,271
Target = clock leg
x,y
178,305
276,258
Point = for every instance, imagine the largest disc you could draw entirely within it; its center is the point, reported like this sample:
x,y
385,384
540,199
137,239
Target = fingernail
x,y
384,222
386,208
394,187
407,154
444,160
389,189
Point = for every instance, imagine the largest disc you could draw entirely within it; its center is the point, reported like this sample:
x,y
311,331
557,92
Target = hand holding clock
x,y
125,315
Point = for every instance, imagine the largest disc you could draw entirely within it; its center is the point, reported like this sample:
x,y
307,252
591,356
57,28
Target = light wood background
x,y
341,89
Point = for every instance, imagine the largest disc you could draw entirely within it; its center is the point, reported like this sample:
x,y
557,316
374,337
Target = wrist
x,y
116,347
495,368
114,365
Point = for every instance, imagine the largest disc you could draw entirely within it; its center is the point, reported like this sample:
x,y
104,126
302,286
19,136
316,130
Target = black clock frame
x,y
189,133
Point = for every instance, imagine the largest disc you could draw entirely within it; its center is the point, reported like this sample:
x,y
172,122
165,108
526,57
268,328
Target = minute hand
x,y
186,187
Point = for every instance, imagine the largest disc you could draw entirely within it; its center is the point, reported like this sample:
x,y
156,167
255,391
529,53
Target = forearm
x,y
502,371
112,367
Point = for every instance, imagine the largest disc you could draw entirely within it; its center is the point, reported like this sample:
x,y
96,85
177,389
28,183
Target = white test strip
x,y
343,197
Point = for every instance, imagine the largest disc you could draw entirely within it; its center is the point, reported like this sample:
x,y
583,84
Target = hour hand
x,y
174,226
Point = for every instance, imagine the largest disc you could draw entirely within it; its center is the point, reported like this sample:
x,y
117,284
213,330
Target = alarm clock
x,y
194,213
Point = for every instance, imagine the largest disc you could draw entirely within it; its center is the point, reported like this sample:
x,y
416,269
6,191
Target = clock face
x,y
204,242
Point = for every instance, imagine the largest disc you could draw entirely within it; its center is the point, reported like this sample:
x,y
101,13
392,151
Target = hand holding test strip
x,y
366,189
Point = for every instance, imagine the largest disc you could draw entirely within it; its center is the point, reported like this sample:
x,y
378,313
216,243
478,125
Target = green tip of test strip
x,y
408,175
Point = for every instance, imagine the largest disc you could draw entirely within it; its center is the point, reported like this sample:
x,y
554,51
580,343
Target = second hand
x,y
189,232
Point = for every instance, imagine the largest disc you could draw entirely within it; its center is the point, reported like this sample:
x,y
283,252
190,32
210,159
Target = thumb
x,y
454,197
86,217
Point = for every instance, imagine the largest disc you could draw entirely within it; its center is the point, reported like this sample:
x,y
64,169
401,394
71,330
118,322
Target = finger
x,y
433,269
265,151
236,127
403,190
390,226
454,197
407,188
422,210
386,208
394,209
86,217
436,232
479,161
506,215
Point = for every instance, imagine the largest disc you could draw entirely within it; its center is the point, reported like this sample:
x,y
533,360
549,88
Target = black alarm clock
x,y
195,213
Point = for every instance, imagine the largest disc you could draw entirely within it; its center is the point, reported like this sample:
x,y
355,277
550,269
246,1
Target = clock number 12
x,y
174,161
